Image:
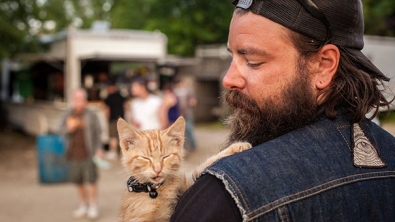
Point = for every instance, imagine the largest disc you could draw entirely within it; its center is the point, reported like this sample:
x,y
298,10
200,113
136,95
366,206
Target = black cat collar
x,y
134,186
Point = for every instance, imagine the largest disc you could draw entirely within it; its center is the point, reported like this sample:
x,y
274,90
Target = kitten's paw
x,y
196,174
239,147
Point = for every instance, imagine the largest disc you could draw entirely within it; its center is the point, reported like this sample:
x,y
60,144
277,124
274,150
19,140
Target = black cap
x,y
345,18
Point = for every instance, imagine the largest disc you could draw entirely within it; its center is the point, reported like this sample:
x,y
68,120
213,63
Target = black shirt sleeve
x,y
206,200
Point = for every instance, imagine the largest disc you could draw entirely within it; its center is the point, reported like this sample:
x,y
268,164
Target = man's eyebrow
x,y
249,51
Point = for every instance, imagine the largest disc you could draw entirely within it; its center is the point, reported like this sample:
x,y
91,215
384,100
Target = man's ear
x,y
328,62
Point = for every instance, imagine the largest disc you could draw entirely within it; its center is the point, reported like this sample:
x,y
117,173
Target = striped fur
x,y
155,156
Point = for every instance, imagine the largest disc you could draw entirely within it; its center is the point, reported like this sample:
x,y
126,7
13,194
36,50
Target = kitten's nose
x,y
157,168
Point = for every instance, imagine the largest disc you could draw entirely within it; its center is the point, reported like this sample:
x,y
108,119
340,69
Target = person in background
x,y
187,101
300,88
170,108
81,130
144,106
115,108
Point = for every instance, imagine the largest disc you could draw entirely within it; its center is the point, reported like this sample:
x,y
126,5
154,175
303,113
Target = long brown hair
x,y
352,90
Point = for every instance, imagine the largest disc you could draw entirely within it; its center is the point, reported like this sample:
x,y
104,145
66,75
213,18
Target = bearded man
x,y
300,88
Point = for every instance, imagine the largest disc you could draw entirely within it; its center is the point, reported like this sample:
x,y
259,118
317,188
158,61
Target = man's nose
x,y
233,79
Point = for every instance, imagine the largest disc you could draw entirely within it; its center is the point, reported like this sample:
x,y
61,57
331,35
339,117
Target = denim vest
x,y
315,173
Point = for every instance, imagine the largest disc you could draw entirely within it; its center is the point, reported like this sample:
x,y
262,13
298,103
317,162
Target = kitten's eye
x,y
167,156
144,158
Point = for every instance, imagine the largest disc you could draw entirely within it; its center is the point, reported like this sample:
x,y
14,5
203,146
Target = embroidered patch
x,y
245,4
365,154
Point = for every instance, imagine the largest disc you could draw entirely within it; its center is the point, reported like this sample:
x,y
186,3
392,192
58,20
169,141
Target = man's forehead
x,y
254,34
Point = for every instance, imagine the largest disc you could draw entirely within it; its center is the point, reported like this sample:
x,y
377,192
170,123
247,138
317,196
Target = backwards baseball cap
x,y
339,22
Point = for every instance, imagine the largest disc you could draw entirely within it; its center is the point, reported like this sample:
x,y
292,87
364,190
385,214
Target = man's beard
x,y
256,125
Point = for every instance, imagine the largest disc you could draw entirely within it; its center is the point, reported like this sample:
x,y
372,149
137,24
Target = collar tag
x,y
134,186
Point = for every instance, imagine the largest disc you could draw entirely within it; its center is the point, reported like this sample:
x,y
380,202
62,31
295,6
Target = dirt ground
x,y
24,198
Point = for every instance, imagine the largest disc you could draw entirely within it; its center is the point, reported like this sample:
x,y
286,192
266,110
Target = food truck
x,y
37,88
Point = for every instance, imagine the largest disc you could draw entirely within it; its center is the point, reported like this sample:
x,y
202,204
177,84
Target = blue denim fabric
x,y
308,175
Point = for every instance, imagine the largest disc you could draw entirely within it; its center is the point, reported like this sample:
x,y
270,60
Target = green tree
x,y
130,14
186,23
191,22
15,22
22,22
379,17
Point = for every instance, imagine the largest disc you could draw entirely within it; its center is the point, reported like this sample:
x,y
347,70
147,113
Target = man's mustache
x,y
237,100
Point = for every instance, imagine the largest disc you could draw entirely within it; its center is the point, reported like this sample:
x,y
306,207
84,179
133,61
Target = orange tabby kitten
x,y
153,158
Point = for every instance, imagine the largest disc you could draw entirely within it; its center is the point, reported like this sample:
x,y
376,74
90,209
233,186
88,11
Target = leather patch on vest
x,y
365,155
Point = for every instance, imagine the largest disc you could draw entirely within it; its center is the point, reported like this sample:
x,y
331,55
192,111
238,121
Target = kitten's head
x,y
152,155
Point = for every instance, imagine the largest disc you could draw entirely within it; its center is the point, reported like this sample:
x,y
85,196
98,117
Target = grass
x,y
211,125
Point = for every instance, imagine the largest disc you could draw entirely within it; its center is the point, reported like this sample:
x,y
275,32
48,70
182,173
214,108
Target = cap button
x,y
245,4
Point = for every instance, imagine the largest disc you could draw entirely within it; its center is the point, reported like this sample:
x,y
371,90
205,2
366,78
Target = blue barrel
x,y
52,163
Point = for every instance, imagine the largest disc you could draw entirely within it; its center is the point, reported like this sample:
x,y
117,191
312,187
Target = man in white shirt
x,y
144,106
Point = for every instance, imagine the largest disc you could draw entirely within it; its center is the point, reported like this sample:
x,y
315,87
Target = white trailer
x,y
72,47
381,51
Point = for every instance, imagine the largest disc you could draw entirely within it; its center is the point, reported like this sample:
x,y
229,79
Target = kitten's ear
x,y
177,131
178,126
127,134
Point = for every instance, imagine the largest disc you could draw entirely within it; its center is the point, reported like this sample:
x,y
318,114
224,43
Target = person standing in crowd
x,y
81,129
170,109
115,108
300,88
187,101
144,107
